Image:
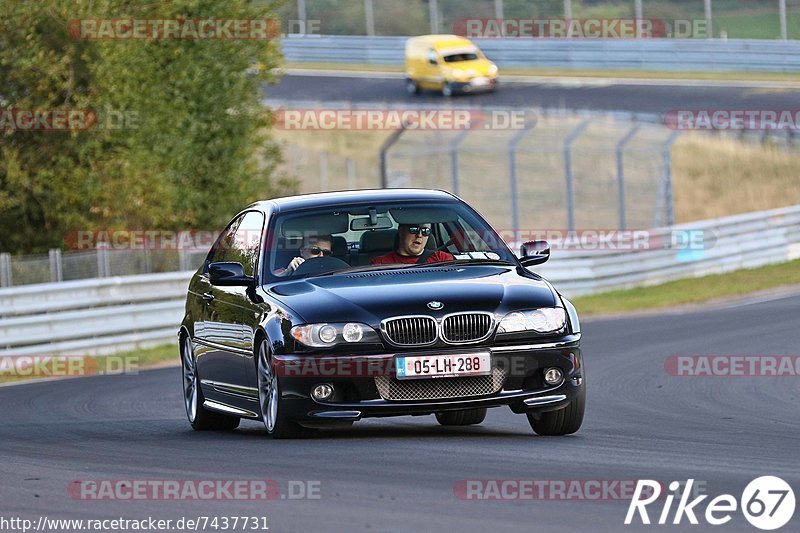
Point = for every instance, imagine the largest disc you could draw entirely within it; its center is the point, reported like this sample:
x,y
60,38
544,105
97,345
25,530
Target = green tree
x,y
182,140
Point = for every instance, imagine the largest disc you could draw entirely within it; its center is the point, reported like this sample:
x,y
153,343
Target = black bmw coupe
x,y
318,310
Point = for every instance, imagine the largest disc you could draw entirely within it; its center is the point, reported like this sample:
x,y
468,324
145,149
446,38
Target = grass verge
x,y
582,73
691,290
41,367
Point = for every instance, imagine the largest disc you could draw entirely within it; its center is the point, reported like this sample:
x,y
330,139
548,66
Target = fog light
x,y
553,375
322,392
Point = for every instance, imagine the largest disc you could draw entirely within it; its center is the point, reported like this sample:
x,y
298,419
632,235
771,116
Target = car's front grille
x,y
466,327
391,388
411,331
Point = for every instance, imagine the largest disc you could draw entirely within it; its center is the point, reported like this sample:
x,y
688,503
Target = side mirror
x,y
433,61
228,274
534,253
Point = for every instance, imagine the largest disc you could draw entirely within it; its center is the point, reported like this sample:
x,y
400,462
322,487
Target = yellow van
x,y
447,63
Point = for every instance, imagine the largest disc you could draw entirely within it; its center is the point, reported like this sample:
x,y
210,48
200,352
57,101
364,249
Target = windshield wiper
x,y
351,270
482,261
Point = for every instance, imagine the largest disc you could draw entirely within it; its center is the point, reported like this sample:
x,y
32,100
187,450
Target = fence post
x,y
103,262
387,144
498,9
56,273
637,15
183,260
512,175
782,16
568,140
370,16
351,174
5,270
709,22
323,171
620,155
454,159
665,200
433,6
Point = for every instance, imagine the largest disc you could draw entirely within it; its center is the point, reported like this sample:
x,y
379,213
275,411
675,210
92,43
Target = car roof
x,y
334,198
441,41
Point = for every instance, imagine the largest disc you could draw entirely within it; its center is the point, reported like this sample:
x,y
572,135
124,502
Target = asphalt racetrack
x,y
399,474
650,96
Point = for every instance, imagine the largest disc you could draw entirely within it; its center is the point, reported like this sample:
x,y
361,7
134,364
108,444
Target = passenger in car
x,y
313,246
410,247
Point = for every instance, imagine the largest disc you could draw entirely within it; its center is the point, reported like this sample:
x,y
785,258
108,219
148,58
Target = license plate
x,y
443,366
480,82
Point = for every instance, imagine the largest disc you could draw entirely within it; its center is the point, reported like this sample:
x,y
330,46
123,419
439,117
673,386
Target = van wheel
x,y
412,87
447,90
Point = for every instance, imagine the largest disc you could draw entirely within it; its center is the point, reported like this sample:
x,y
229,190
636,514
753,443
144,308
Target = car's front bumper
x,y
354,379
474,85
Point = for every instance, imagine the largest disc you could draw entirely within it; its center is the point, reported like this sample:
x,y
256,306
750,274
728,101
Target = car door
x,y
235,313
218,333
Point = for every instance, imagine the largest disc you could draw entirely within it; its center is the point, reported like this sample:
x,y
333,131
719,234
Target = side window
x,y
224,242
247,241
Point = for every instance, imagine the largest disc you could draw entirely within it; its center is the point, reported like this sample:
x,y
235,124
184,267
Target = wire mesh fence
x,y
99,263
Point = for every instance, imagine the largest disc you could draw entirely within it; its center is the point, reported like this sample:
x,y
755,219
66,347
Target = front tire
x,y
199,417
564,421
447,90
412,87
270,401
466,417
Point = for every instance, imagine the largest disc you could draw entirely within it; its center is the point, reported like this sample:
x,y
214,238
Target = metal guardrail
x,y
111,314
605,54
92,316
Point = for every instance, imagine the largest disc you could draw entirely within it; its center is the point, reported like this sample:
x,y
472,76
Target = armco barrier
x,y
104,315
608,54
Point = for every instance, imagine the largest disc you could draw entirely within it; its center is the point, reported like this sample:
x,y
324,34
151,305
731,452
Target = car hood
x,y
372,296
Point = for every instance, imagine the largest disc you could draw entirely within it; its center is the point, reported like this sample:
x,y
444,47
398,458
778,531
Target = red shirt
x,y
395,258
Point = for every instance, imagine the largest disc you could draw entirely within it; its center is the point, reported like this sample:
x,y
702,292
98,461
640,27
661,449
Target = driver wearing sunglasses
x,y
410,247
313,246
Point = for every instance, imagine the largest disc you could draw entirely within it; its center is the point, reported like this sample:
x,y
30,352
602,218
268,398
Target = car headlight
x,y
493,70
543,320
326,335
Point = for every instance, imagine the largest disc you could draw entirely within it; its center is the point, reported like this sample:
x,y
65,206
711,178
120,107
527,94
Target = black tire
x,y
447,90
200,418
412,87
467,417
564,421
269,399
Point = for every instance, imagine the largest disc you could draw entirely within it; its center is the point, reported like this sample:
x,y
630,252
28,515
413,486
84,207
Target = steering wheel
x,y
318,265
444,246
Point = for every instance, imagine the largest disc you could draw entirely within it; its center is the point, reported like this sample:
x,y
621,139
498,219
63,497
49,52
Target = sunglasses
x,y
418,230
316,250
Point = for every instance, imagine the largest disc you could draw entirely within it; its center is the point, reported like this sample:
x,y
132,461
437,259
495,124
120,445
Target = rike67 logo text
x,y
767,503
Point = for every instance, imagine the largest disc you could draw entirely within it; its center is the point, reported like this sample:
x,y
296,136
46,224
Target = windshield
x,y
467,56
343,238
